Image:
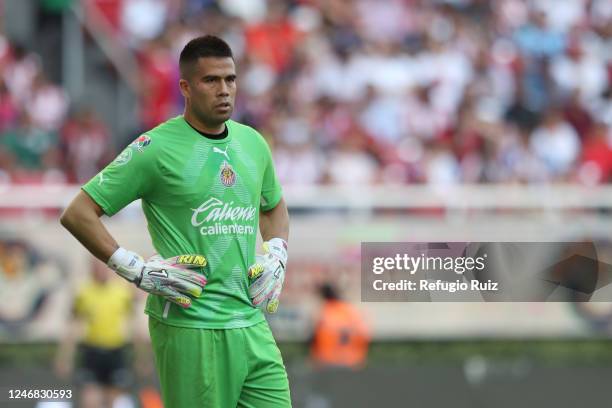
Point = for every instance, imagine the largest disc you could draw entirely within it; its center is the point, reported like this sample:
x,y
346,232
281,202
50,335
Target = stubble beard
x,y
211,120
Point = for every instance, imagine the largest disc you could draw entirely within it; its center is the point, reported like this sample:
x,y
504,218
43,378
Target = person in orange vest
x,y
341,336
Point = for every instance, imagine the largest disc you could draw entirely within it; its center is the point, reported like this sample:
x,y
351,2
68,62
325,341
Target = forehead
x,y
214,66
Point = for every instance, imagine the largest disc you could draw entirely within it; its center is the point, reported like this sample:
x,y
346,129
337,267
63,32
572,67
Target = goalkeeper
x,y
206,184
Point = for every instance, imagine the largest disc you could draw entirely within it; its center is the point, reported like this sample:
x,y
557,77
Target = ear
x,y
184,86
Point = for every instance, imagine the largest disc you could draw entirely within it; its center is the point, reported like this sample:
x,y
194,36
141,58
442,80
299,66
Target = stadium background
x,y
402,120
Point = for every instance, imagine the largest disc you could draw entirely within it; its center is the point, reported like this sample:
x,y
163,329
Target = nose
x,y
223,89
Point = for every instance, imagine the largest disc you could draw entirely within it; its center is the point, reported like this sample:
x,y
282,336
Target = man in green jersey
x,y
206,184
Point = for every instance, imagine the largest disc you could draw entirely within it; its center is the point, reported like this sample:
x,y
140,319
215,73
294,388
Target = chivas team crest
x,y
227,175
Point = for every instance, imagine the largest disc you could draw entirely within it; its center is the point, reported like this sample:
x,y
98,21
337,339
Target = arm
x,y
82,220
275,223
268,273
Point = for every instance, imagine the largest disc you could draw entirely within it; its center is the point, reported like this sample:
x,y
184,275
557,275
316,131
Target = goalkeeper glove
x,y
170,278
268,274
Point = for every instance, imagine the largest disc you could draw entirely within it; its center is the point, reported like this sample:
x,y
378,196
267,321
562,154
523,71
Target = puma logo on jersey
x,y
223,152
101,179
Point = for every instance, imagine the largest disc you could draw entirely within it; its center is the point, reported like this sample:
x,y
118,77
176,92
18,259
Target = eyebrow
x,y
231,76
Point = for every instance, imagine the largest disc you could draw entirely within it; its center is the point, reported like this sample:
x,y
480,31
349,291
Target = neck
x,y
201,126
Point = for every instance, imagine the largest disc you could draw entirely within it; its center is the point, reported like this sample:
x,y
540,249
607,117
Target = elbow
x,y
81,210
65,219
68,218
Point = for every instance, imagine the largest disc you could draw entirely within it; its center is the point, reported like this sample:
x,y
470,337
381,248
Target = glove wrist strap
x,y
127,264
278,248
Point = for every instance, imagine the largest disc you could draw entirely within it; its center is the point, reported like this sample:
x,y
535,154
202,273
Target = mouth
x,y
223,105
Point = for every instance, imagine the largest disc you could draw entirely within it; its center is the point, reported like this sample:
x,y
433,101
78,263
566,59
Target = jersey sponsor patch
x,y
141,142
216,217
227,175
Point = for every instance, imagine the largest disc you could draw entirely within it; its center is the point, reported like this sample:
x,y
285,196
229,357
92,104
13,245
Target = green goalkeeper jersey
x,y
199,196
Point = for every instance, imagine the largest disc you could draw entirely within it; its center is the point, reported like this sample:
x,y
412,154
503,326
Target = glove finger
x,y
263,284
186,287
189,276
191,261
274,301
258,301
264,292
255,271
176,297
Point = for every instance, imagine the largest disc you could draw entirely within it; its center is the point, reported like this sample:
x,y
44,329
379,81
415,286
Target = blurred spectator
x,y
248,10
19,72
596,161
577,116
521,114
341,337
350,164
159,77
602,108
273,40
537,38
577,71
102,310
562,16
405,91
383,116
382,24
28,143
47,103
441,165
143,20
8,108
538,43
556,143
422,119
514,160
297,161
108,10
86,145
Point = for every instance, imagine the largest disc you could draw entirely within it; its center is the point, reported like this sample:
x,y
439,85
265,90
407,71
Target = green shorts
x,y
219,368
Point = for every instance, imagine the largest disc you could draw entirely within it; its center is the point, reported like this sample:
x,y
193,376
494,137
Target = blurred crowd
x,y
43,139
353,92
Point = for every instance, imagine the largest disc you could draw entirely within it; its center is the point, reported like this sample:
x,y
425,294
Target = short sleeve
x,y
271,191
125,179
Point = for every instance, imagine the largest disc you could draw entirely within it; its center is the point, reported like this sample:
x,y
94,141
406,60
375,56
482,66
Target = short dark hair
x,y
202,47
